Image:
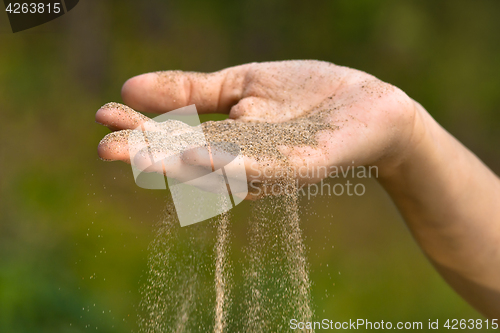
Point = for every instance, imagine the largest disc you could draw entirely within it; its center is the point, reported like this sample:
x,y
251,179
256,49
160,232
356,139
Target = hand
x,y
357,118
448,197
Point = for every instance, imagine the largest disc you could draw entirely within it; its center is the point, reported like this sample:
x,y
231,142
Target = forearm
x,y
450,201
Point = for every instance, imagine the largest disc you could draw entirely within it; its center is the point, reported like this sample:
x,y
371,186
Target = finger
x,y
119,145
170,164
114,146
261,170
161,92
117,116
125,146
224,164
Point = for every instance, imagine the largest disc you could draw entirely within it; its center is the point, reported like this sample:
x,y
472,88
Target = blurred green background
x,y
74,230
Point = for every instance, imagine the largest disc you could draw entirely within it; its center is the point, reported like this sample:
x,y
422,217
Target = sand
x,y
222,271
258,140
189,282
276,276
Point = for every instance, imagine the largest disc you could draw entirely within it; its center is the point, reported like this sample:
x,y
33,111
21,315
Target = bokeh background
x,y
74,230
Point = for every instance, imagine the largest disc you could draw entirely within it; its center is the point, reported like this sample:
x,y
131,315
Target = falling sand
x,y
179,296
276,278
189,285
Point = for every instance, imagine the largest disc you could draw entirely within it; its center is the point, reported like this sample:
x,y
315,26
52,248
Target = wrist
x,y
414,145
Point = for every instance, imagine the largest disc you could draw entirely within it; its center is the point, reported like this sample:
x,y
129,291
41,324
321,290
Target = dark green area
x,y
74,230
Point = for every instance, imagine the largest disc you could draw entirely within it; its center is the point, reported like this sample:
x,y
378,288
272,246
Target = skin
x,y
447,196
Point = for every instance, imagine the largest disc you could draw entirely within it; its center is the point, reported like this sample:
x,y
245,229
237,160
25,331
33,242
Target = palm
x,y
367,115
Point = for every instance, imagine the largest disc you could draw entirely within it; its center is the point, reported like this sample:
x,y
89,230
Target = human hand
x,y
290,114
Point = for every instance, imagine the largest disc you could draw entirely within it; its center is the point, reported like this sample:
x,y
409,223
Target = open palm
x,y
367,121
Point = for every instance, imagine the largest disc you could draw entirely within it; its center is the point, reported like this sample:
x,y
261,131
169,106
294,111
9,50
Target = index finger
x,y
161,92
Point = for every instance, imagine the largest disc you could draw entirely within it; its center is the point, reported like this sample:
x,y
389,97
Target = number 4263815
x,y
33,8
455,324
